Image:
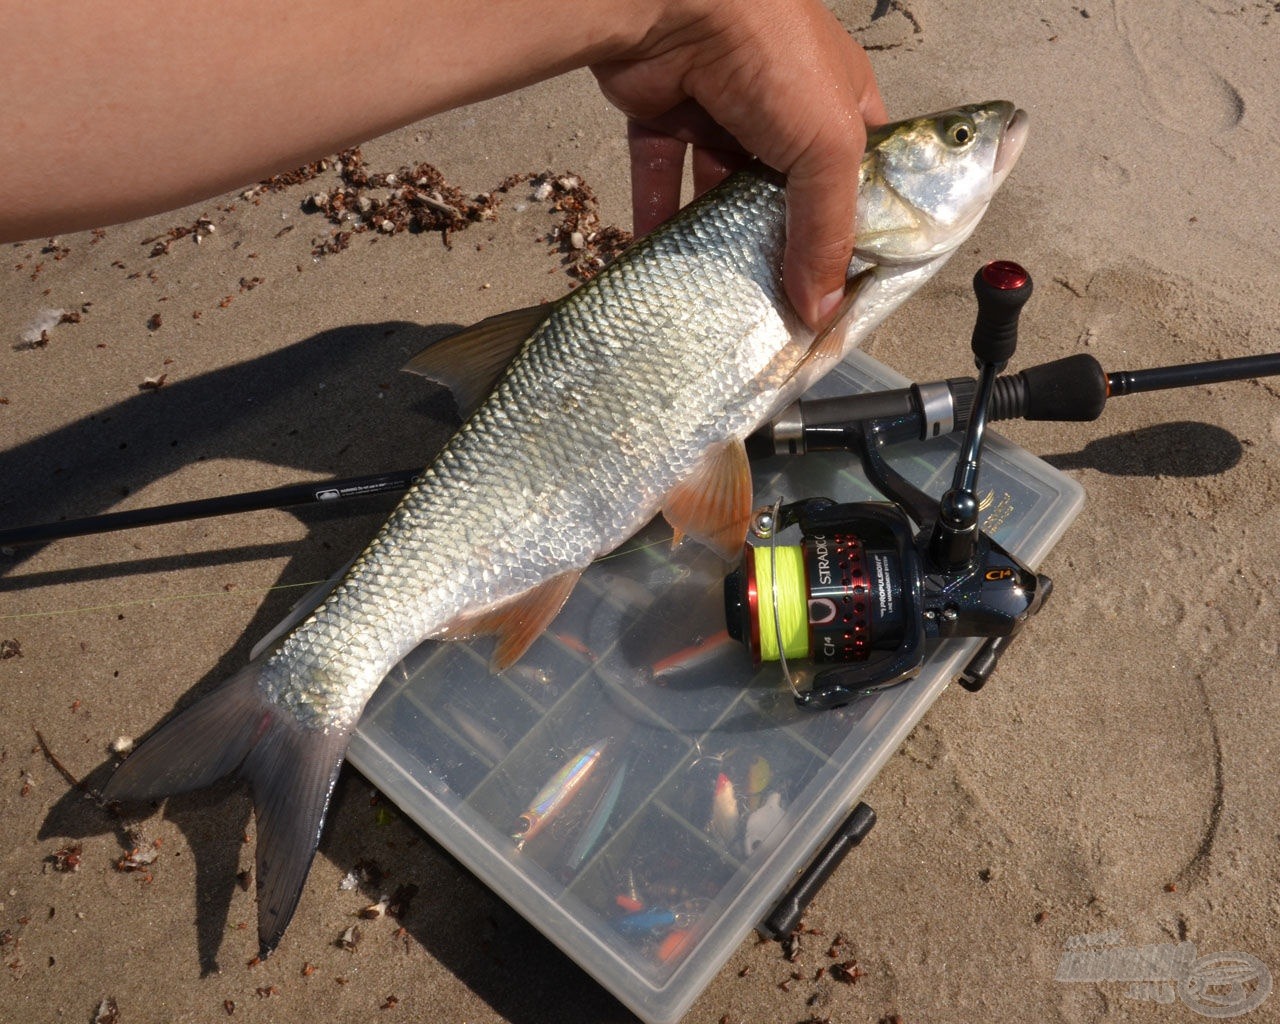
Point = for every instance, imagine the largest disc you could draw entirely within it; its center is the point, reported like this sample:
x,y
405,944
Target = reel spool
x,y
834,597
848,596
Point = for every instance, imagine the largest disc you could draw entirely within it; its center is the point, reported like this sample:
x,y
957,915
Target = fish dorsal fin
x,y
519,622
713,505
470,362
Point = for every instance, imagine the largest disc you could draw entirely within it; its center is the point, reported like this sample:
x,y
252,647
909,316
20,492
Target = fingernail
x,y
829,304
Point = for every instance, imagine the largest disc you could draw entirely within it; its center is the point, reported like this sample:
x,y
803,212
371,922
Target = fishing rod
x,y
1073,389
288,496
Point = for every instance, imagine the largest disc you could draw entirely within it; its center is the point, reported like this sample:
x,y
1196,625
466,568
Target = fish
x,y
583,419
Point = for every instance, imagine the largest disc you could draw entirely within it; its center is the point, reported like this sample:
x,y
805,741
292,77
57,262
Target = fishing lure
x,y
724,810
557,793
599,818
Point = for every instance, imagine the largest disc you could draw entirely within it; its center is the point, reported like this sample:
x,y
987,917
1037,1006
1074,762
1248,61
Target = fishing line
x,y
156,601
783,623
632,549
778,634
200,595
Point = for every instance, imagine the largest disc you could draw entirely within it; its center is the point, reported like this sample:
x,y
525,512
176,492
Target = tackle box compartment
x,y
691,789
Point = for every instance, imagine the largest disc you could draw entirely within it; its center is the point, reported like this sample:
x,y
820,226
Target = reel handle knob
x,y
1002,288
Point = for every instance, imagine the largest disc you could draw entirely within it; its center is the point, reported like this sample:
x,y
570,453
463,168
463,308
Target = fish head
x,y
926,182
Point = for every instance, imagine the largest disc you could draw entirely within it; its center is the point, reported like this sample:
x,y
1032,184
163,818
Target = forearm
x,y
113,111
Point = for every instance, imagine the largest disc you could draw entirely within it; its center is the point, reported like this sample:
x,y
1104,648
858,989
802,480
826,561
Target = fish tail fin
x,y
290,768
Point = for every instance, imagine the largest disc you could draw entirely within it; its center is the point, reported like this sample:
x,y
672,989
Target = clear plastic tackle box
x,y
689,789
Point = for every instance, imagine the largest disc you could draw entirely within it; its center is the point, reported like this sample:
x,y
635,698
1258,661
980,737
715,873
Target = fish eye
x,y
959,131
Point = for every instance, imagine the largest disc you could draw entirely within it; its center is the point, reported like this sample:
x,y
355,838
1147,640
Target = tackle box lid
x,y
682,791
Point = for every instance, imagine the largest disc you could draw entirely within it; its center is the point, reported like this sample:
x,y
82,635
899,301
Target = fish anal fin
x,y
713,505
517,623
470,362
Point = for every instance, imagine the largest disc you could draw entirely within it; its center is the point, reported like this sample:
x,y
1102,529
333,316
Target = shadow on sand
x,y
320,406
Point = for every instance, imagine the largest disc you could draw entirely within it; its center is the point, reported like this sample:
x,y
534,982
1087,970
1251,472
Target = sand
x,y
1117,777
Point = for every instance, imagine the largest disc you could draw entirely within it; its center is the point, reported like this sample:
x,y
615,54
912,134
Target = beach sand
x,y
1117,776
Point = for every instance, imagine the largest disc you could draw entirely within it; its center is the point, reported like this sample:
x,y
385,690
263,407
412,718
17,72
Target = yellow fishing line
x,y
792,611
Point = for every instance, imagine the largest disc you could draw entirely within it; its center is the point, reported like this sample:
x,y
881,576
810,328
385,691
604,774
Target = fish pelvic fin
x,y
517,622
291,770
470,362
713,505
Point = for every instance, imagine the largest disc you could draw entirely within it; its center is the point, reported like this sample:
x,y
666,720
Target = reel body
x,y
861,597
864,593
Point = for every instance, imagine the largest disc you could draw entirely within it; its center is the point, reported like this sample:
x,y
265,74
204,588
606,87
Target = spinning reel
x,y
864,591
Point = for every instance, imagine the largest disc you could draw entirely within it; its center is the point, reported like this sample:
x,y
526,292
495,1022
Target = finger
x,y
657,169
712,166
690,122
821,200
872,106
822,197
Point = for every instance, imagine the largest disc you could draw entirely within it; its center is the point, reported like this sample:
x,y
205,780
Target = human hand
x,y
777,79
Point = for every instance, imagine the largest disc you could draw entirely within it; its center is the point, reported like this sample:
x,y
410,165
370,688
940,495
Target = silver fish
x,y
628,397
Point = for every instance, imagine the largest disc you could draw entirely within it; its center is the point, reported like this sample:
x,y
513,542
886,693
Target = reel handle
x,y
1002,288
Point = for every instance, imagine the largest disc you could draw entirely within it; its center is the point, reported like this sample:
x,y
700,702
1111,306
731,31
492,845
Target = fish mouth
x,y
1011,143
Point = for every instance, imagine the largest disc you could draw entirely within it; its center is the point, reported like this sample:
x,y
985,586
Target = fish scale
x,y
527,446
629,397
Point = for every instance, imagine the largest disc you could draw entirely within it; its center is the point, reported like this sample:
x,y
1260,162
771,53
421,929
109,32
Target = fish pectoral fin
x,y
517,623
470,362
713,505
827,348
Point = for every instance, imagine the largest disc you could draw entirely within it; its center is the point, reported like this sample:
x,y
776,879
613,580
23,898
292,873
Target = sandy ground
x,y
1117,777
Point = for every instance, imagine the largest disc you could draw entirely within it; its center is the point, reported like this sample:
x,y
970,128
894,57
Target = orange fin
x,y
470,362
519,622
828,344
713,506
